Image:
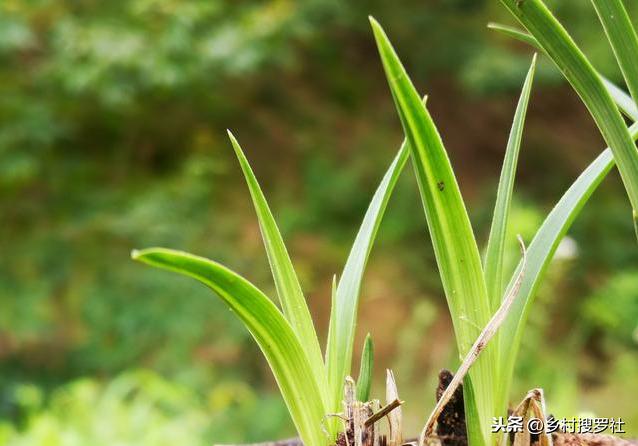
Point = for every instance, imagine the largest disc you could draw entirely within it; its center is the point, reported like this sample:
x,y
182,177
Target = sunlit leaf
x,y
364,381
345,302
540,253
281,347
623,39
495,251
560,47
622,100
291,297
449,226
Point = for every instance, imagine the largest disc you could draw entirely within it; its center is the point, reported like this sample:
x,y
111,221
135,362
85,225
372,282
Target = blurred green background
x,y
112,119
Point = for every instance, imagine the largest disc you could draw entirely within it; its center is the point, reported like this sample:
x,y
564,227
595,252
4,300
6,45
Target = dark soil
x,y
450,426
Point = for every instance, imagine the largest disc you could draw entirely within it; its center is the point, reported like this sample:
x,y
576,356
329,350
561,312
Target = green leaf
x,y
332,425
291,297
539,255
346,298
624,102
560,47
449,226
364,381
282,348
496,242
623,39
515,33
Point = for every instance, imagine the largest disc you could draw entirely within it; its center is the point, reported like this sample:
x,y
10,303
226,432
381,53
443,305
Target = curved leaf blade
x,y
622,100
281,347
560,47
364,381
540,253
515,33
623,39
449,226
346,297
289,290
495,251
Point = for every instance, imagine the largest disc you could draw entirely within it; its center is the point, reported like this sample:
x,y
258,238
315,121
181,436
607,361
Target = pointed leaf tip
x,y
287,284
345,297
142,255
377,29
449,225
235,145
233,140
364,381
496,244
283,349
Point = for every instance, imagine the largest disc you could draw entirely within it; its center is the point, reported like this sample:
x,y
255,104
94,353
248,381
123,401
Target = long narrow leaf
x,y
495,251
346,299
516,34
333,426
622,100
597,171
291,297
557,43
449,226
364,380
539,256
623,39
285,354
479,345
